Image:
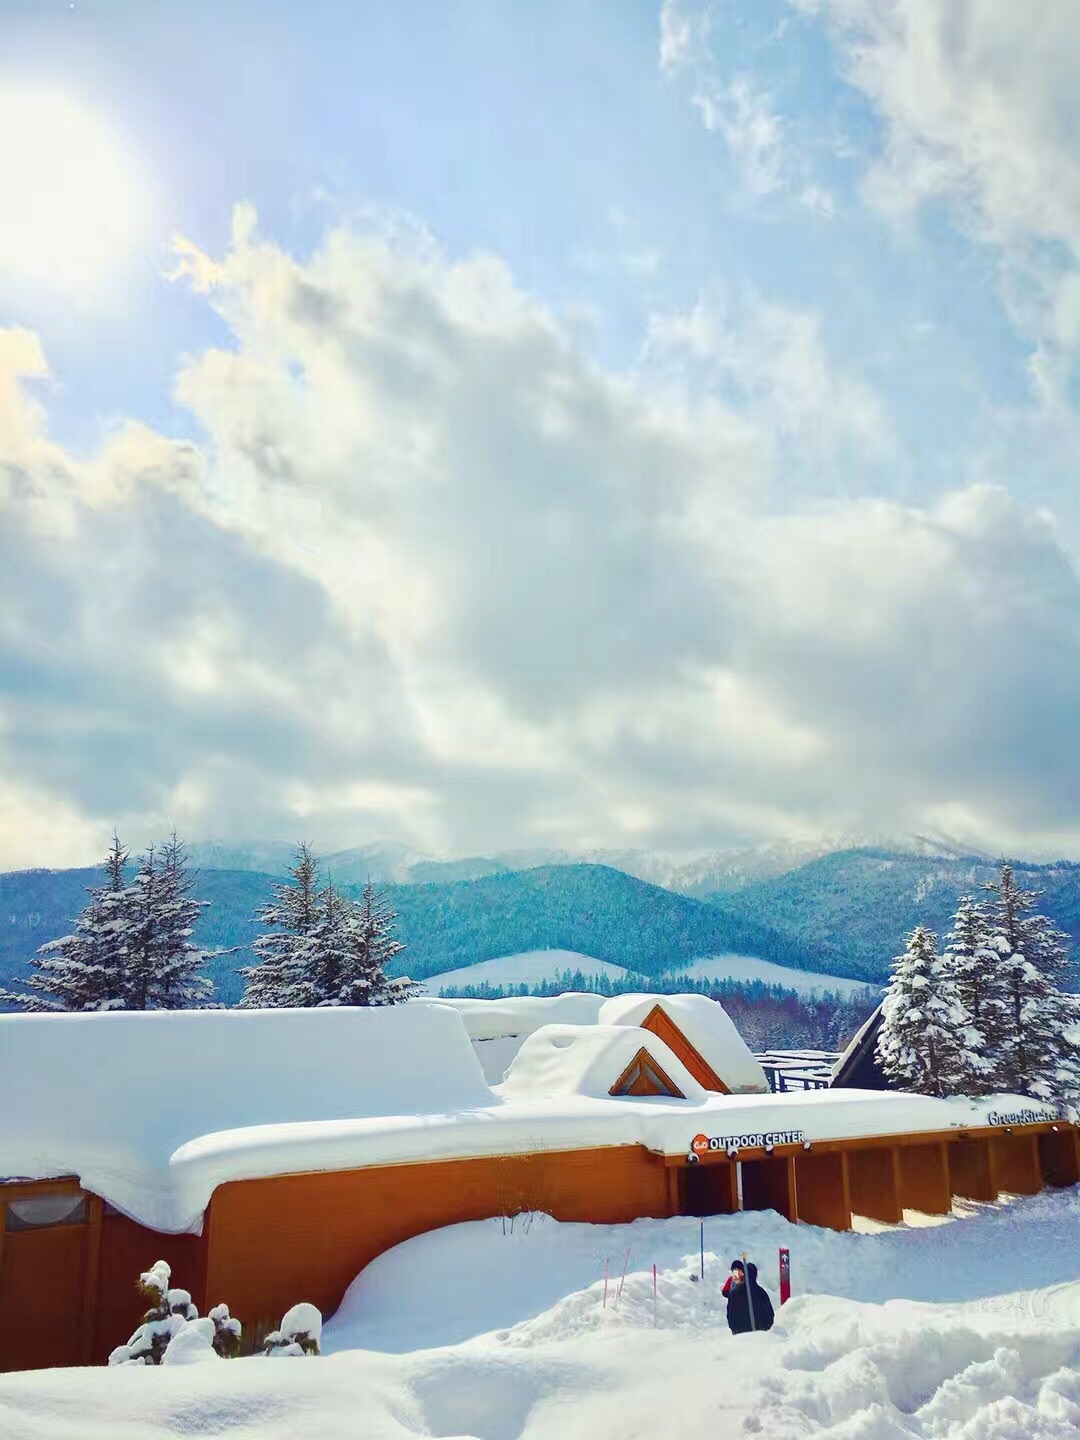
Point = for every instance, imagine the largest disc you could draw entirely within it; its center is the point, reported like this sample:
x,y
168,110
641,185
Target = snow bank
x,y
587,1060
707,1026
523,1347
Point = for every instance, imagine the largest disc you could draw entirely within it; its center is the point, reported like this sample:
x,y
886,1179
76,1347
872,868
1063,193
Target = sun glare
x,y
71,204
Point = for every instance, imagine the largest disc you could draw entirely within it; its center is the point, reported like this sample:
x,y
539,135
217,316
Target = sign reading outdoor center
x,y
702,1144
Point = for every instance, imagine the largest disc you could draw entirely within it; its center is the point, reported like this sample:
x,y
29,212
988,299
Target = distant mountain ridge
x,y
699,874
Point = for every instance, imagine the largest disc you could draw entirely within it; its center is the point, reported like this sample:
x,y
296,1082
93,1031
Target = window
x,y
33,1212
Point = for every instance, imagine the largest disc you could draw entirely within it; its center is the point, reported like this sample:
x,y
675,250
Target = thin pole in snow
x,y
622,1277
605,1282
654,1294
749,1293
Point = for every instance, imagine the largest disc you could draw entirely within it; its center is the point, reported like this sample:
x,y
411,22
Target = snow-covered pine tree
x,y
282,974
374,945
919,1042
178,981
1035,1055
970,963
88,969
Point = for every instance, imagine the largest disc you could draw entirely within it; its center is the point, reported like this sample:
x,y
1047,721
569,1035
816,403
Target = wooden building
x,y
270,1156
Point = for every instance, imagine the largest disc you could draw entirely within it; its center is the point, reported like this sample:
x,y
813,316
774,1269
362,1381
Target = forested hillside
x,y
857,906
588,908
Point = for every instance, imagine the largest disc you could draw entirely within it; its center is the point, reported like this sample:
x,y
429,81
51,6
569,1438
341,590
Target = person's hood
x,y
751,1271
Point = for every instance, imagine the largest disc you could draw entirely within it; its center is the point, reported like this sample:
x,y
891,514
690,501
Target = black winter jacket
x,y
738,1311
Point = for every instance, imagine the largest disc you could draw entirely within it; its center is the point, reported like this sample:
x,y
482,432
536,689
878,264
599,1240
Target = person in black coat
x,y
742,1291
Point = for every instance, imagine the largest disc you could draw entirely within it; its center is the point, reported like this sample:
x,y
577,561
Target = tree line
x,y
987,1013
132,946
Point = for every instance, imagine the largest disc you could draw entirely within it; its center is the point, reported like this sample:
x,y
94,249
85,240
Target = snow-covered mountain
x,y
698,873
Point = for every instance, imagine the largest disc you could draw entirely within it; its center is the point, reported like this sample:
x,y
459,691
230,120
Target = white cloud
x,y
979,107
682,35
743,114
432,575
772,359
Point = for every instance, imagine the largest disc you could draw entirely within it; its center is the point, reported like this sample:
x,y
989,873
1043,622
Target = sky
x,y
478,424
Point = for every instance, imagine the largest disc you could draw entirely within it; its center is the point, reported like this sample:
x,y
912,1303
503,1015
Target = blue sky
x,y
664,415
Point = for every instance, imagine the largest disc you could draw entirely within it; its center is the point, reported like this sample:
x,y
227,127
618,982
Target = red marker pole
x,y
785,1275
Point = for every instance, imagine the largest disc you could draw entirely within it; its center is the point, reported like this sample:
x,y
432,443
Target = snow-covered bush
x,y
171,1331
298,1334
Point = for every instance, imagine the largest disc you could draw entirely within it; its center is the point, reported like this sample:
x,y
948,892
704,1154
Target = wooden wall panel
x,y
1059,1157
923,1174
969,1170
41,1286
875,1188
769,1184
821,1185
276,1241
1014,1164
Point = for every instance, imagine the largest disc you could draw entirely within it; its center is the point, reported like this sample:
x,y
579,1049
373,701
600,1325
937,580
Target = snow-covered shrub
x,y
227,1331
171,1331
298,1334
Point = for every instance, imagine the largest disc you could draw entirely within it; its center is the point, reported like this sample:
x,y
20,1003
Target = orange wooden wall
x,y
306,1237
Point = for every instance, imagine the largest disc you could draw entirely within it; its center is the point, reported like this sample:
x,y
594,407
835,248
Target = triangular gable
x,y
643,1076
659,1023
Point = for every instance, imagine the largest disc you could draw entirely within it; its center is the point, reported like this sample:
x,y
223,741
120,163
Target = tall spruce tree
x,y
179,981
970,963
284,972
88,969
1034,1054
919,1044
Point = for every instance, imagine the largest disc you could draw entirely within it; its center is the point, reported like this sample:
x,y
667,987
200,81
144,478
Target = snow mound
x,y
707,1026
588,1060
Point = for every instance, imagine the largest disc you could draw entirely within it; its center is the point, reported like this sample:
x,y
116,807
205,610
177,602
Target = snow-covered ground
x,y
748,967
531,967
964,1330
534,967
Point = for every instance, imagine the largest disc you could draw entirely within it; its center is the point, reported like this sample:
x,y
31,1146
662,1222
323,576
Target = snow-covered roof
x,y
522,1014
588,1060
706,1025
154,1111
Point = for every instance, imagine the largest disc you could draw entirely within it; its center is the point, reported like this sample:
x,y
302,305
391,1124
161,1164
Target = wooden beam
x,y
91,1275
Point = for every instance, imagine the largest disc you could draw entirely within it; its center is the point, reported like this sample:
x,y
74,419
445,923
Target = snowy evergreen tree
x,y
299,1333
283,974
354,943
88,969
921,1040
1034,1054
178,981
970,963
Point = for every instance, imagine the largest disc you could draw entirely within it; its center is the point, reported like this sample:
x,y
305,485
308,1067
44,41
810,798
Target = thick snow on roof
x,y
521,1015
707,1026
587,1060
154,1111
